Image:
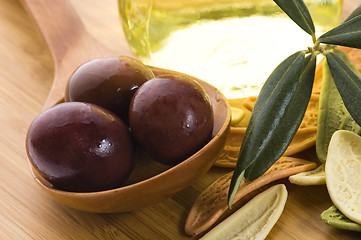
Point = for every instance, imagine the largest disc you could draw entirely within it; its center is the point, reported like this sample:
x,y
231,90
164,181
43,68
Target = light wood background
x,y
26,212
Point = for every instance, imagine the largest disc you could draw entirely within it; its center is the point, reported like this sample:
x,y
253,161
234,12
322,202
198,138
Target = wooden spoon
x,y
68,40
71,45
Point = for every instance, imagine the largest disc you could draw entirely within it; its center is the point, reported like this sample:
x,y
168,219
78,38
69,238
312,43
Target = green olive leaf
x,y
332,114
348,84
298,12
347,34
276,116
291,114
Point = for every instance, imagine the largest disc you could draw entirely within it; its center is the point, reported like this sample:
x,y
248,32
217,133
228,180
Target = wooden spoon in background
x,y
68,40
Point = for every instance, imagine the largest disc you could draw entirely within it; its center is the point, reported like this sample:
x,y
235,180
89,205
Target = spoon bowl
x,y
151,181
71,45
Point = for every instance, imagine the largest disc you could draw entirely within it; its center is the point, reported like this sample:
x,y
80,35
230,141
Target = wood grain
x,y
26,212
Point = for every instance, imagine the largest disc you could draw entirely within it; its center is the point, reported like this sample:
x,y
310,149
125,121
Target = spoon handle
x,y
68,40
58,23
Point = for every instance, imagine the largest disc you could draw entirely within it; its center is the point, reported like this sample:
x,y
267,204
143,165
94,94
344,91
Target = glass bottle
x,y
232,44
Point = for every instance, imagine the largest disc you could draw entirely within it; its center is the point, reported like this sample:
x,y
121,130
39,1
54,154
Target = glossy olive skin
x,y
108,82
171,118
80,147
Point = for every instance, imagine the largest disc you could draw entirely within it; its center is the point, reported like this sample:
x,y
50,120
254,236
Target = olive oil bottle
x,y
232,44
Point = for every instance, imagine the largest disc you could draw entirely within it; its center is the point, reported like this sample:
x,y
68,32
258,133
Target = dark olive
x,y
171,118
108,82
80,147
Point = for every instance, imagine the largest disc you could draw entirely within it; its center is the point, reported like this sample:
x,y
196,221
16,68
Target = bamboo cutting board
x,y
26,212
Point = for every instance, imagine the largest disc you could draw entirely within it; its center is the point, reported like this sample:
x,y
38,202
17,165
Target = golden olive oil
x,y
233,44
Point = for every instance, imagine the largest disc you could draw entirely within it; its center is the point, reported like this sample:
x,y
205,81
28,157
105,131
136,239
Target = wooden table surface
x,y
26,212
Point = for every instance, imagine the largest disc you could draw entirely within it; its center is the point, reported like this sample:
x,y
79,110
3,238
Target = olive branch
x,y
282,102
